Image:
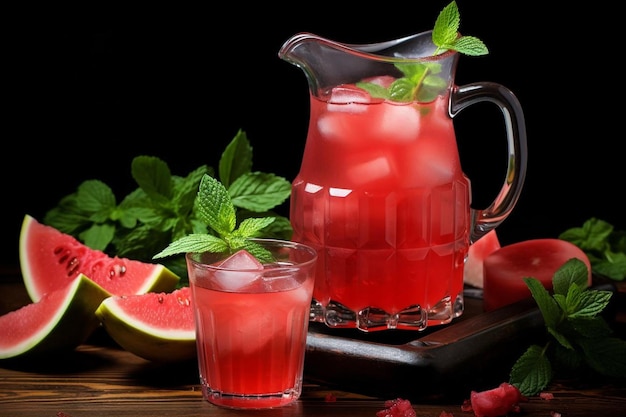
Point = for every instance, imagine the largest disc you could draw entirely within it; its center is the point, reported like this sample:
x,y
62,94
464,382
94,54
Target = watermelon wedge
x,y
50,259
158,327
60,321
473,268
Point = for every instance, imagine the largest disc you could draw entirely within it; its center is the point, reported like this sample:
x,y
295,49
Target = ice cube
x,y
369,170
238,271
349,94
397,123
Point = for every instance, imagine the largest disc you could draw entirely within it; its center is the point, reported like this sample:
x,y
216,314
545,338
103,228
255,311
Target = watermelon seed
x,y
183,301
73,266
160,299
117,270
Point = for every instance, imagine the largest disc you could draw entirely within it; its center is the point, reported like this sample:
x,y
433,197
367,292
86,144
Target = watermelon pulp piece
x,y
50,259
155,326
61,320
497,401
505,269
473,268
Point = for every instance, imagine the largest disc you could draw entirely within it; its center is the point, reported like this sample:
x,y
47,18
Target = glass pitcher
x,y
380,193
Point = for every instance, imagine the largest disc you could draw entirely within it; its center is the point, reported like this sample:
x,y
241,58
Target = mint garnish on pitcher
x,y
420,82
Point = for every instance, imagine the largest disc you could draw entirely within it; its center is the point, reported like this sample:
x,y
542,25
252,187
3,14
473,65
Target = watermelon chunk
x,y
158,327
505,268
473,268
60,321
50,259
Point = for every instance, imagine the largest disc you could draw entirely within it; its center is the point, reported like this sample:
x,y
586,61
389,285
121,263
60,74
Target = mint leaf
x,y
252,226
154,178
98,236
236,159
469,45
605,247
572,317
591,303
419,82
606,355
447,25
547,305
215,207
259,191
194,243
532,372
574,271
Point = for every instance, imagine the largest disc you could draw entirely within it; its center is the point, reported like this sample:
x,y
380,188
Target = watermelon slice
x,y
50,259
60,321
158,327
505,268
473,268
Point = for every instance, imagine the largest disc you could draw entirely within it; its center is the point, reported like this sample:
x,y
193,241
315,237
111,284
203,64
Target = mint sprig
x,y
579,335
217,210
163,207
420,81
605,247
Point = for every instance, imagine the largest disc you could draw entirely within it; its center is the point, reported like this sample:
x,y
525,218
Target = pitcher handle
x,y
484,220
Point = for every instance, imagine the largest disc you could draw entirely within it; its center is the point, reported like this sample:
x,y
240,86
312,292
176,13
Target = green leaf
x,y
532,372
259,191
547,305
185,190
592,236
98,236
94,196
447,25
612,266
154,177
236,159
574,271
469,45
561,338
605,247
606,355
258,251
374,90
252,226
591,303
194,243
590,326
215,206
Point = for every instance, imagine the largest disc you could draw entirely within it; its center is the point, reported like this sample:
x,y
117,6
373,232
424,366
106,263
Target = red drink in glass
x,y
251,327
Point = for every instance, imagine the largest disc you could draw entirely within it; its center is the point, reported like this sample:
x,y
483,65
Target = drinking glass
x,y
252,323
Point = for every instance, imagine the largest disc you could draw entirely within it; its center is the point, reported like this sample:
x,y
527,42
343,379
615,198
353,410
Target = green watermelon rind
x,y
68,327
149,342
161,279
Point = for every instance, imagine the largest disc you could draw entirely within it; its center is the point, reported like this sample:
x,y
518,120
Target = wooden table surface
x,y
100,379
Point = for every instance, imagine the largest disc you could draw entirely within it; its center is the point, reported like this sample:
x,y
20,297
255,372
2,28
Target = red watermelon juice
x,y
381,196
251,326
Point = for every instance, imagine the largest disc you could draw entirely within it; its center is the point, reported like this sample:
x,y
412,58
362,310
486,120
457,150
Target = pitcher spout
x,y
328,63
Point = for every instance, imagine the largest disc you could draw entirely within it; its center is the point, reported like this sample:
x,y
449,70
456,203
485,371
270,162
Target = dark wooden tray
x,y
474,352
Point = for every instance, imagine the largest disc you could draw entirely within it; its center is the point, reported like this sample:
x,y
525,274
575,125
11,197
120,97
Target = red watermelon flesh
x,y
60,320
50,259
163,312
156,326
506,268
483,247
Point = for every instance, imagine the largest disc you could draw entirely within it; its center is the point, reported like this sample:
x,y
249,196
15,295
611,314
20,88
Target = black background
x,y
87,90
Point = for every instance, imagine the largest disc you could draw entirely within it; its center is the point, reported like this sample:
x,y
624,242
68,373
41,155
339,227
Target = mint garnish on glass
x,y
216,209
420,81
